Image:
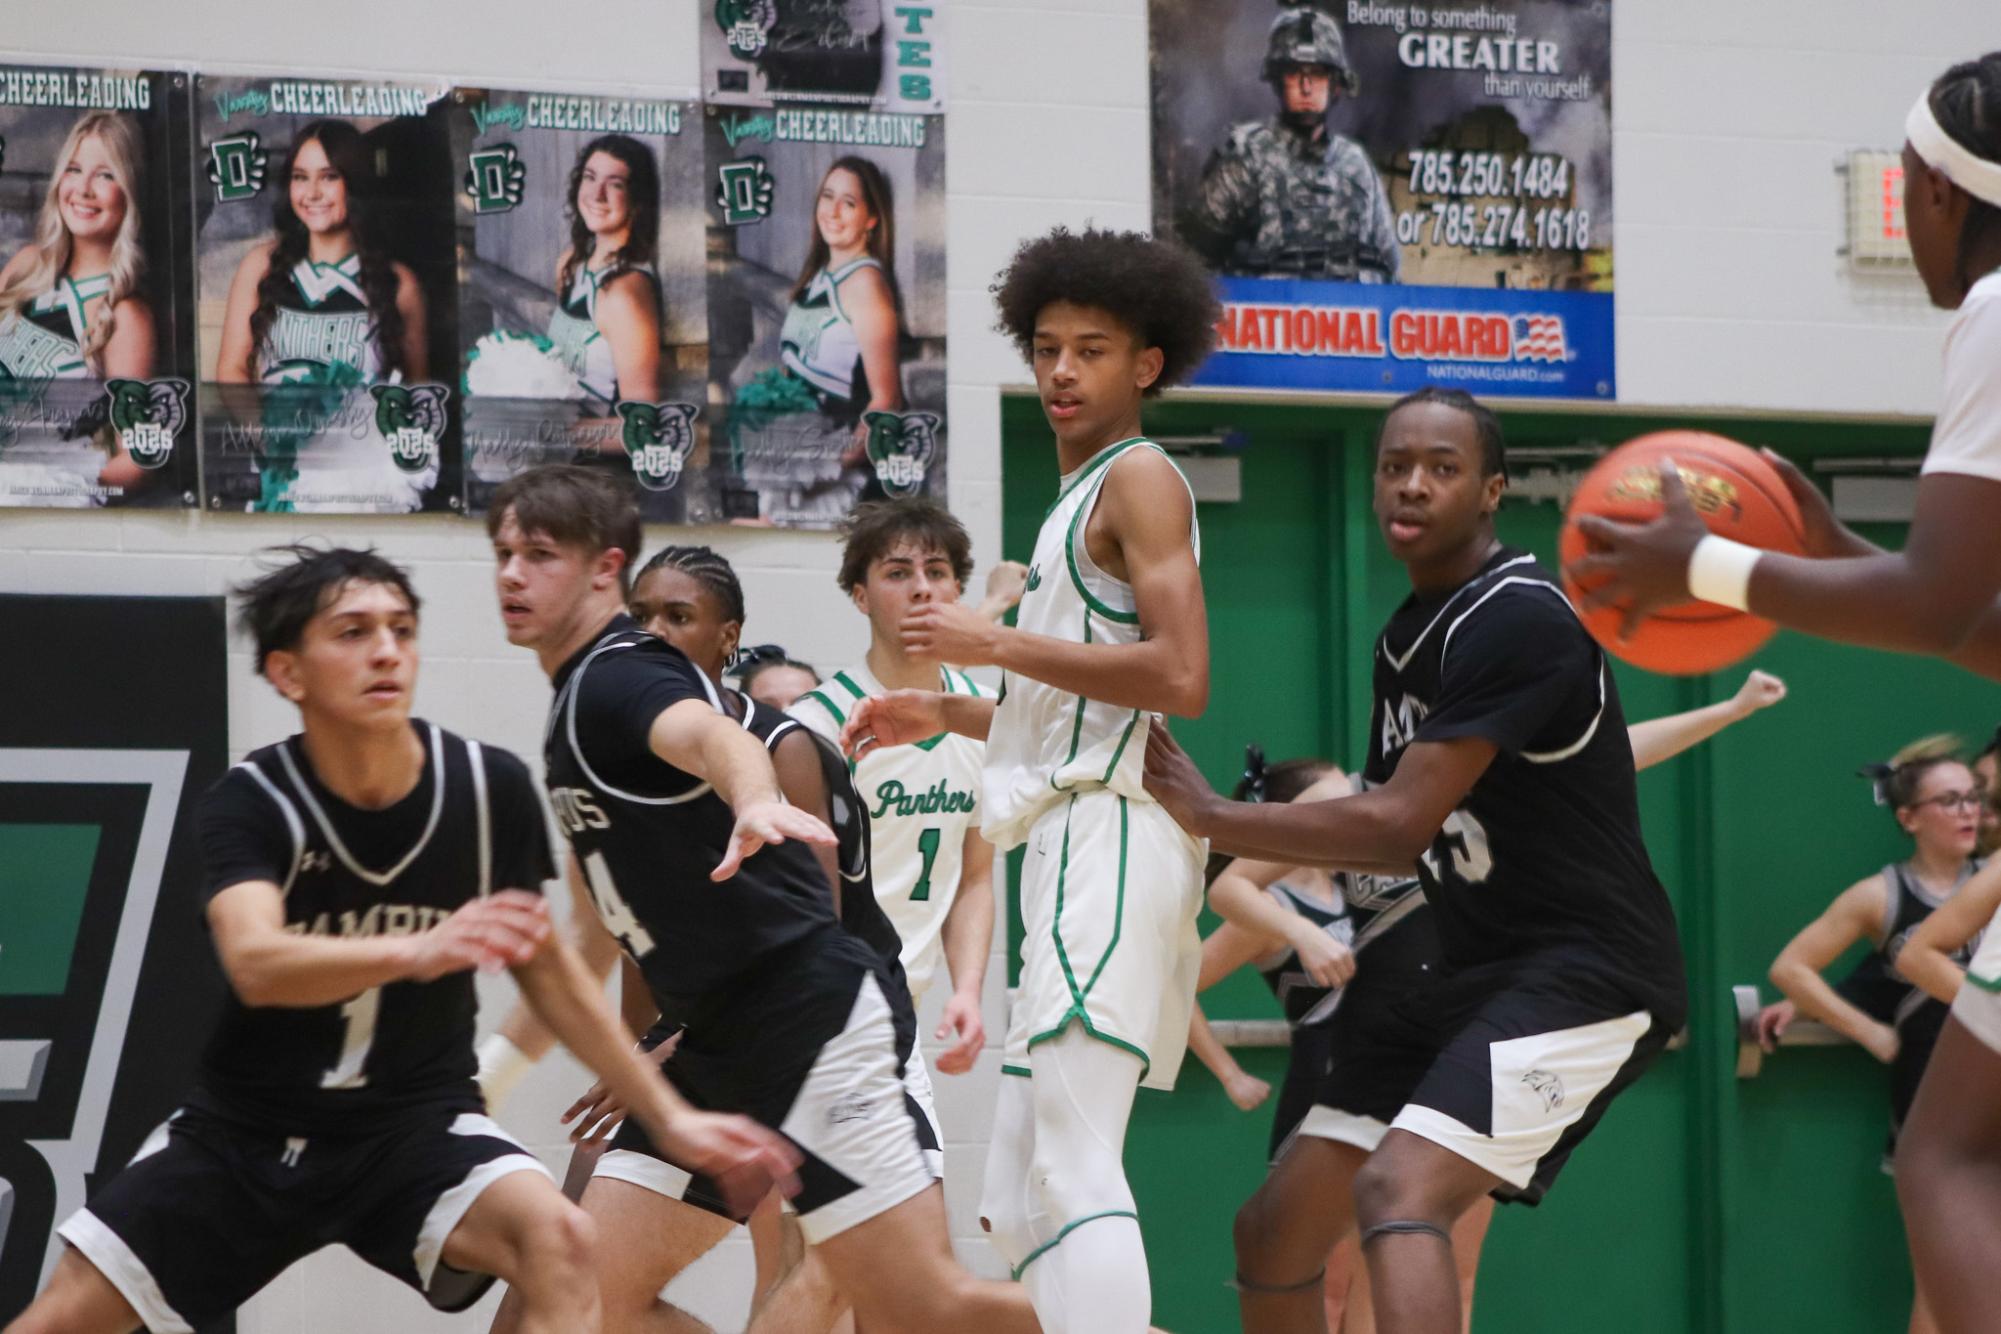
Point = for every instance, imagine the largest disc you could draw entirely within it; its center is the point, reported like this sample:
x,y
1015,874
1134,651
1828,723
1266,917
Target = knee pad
x,y
1075,1177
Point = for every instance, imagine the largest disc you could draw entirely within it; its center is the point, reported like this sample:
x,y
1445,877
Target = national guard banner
x,y
887,54
826,308
326,268
1394,194
107,978
96,293
583,292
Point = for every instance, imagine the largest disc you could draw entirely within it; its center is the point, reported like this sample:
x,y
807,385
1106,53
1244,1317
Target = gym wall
x,y
1728,121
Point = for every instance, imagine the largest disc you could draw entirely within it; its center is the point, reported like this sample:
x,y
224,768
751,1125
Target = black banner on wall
x,y
107,979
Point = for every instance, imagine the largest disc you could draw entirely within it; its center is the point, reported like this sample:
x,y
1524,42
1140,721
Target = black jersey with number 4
x,y
1542,869
472,825
648,835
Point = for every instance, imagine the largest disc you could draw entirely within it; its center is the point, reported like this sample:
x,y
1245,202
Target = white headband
x,y
1975,175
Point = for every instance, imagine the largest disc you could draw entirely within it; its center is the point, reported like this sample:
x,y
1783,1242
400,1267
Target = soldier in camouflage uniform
x,y
1287,196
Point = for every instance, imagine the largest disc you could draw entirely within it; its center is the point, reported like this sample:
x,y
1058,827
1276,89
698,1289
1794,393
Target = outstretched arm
x,y
1145,515
694,738
745,1158
1383,830
1659,739
1933,597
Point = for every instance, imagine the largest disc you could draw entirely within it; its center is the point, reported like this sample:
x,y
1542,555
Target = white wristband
x,y
502,1065
1719,571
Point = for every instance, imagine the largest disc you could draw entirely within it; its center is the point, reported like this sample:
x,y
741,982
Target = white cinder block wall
x,y
1728,118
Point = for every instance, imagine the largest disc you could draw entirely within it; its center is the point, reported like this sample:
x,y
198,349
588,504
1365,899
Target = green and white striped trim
x,y
1078,1011
1068,1228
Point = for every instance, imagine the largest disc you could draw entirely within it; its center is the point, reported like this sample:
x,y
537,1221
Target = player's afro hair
x,y
1156,288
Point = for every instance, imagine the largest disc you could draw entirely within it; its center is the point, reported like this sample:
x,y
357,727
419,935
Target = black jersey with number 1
x,y
1541,871
473,824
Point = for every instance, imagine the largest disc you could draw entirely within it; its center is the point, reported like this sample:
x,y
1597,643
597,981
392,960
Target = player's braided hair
x,y
707,567
1157,289
1897,781
1966,102
279,603
1493,443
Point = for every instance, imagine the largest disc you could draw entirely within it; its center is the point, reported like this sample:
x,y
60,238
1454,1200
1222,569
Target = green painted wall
x,y
1702,1203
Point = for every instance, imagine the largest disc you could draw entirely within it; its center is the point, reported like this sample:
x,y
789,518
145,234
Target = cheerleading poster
x,y
583,298
326,270
97,347
826,309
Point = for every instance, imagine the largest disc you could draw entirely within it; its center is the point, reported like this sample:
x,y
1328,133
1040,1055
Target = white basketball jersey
x,y
1047,742
922,800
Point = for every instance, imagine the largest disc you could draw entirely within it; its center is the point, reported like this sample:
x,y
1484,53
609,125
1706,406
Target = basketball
x,y
1737,493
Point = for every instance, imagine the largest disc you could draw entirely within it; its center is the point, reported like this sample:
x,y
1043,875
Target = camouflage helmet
x,y
1303,35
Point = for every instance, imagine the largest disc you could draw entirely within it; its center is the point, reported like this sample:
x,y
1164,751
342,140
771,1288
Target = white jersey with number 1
x,y
1110,885
922,799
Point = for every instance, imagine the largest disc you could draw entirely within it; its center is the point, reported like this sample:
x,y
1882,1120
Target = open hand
x,y
1642,567
745,1160
765,822
895,719
1174,780
600,1112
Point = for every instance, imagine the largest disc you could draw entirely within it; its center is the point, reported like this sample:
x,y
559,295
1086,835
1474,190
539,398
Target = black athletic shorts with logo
x,y
1509,1071
816,1052
210,1210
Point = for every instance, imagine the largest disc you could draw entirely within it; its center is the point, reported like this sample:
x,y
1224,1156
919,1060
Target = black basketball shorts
x,y
209,1211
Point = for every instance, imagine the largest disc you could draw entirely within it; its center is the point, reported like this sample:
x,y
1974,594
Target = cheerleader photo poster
x,y
96,295
583,293
326,269
826,309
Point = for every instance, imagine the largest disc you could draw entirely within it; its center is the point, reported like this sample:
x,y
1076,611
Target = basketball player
x,y
1938,594
1110,629
1499,768
933,870
707,878
1315,963
357,873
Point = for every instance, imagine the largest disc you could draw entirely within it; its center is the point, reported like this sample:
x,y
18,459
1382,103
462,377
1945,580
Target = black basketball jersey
x,y
1875,987
1301,998
647,835
861,914
472,825
1542,867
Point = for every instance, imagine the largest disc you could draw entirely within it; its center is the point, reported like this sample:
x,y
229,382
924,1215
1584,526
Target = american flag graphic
x,y
1539,338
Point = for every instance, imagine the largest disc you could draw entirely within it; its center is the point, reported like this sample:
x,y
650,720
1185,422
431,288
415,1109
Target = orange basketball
x,y
1738,494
